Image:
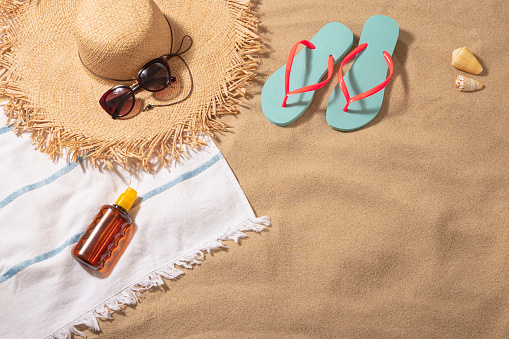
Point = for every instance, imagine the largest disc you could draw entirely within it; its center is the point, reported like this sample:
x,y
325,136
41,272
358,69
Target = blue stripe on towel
x,y
21,266
37,185
179,179
183,177
6,129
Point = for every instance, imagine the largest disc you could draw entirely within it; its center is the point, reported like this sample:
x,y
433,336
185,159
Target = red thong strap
x,y
372,91
289,68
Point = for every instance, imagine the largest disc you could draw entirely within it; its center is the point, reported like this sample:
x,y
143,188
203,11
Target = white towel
x,y
44,207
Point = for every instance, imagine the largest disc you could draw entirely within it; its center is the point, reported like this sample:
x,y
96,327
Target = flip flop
x,y
282,106
359,96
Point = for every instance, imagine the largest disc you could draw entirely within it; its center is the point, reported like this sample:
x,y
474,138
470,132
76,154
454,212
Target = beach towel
x,y
180,214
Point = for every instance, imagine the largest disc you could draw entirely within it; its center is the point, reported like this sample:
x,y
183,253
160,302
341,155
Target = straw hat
x,y
56,57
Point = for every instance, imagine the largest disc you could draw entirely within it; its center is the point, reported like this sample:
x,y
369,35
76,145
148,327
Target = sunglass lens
x,y
155,77
118,101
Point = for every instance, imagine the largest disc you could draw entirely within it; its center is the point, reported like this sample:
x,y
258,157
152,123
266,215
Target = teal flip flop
x,y
282,106
359,96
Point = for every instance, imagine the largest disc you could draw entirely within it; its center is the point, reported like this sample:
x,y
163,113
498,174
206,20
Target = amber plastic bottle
x,y
97,243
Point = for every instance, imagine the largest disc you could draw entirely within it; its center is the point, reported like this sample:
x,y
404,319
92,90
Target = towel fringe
x,y
133,293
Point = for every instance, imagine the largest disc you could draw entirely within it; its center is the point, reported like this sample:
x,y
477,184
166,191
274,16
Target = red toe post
x,y
288,69
372,91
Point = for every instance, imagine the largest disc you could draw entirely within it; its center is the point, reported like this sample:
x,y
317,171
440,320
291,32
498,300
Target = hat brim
x,y
51,94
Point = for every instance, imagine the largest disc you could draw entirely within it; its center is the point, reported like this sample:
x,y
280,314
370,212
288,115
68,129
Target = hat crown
x,y
116,38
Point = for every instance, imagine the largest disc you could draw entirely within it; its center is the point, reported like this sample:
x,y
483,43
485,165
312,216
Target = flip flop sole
x,y
309,66
369,69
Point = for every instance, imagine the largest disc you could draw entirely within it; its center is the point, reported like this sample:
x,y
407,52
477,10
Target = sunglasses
x,y
153,77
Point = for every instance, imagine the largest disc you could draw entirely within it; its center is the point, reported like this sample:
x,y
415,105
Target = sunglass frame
x,y
134,88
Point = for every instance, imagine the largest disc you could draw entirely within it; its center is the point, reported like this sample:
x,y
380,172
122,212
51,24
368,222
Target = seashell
x,y
465,84
464,60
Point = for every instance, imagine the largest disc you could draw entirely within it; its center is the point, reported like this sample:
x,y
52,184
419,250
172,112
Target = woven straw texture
x,y
52,95
119,41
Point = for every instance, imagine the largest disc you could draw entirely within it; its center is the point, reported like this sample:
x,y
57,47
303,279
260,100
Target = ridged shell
x,y
464,60
466,84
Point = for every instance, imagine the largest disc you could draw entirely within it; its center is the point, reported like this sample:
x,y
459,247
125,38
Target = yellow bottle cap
x,y
126,199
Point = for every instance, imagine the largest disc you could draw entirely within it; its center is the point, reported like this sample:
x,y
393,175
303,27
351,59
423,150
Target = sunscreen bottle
x,y
97,243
